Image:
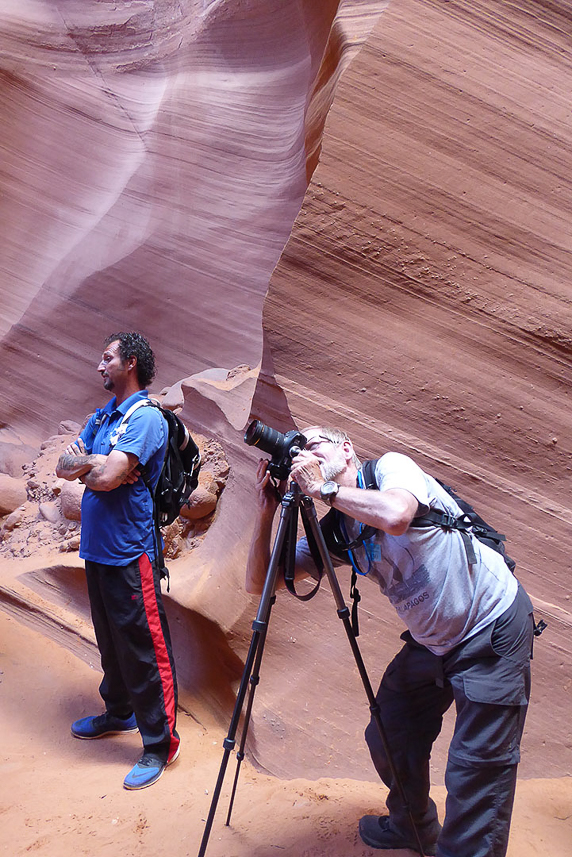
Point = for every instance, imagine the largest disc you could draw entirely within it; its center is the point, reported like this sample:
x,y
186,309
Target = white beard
x,y
330,470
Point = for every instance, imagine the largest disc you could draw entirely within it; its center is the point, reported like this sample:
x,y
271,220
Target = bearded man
x,y
118,544
468,640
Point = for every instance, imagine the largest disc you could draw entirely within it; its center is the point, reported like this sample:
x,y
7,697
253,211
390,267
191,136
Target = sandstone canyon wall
x,y
164,164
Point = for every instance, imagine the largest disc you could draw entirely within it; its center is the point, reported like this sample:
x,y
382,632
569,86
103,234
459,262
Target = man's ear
x,y
132,363
348,449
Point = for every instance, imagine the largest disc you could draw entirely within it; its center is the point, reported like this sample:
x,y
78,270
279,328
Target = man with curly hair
x,y
118,544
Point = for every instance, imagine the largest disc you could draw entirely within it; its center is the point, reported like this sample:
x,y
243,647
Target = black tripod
x,y
283,554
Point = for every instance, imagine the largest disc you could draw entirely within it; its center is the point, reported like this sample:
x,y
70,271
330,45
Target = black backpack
x,y
179,474
467,523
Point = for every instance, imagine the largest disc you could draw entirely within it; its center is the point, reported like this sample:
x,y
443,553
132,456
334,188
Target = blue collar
x,y
111,407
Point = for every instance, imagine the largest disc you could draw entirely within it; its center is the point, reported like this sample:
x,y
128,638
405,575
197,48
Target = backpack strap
x,y
117,433
334,537
163,570
438,518
113,439
463,525
100,417
368,473
338,544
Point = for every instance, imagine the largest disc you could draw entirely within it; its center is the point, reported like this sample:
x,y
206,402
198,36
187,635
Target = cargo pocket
x,y
502,677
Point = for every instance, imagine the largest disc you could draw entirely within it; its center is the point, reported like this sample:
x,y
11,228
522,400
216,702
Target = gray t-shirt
x,y
424,572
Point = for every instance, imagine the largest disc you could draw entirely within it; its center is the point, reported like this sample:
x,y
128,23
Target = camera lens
x,y
265,438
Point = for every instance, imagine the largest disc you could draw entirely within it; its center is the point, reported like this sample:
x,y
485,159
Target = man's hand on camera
x,y
268,495
307,474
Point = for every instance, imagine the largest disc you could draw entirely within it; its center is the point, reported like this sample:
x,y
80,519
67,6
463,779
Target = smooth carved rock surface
x,y
423,303
155,157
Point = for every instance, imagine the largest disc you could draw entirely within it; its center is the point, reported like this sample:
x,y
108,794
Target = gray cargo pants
x,y
488,677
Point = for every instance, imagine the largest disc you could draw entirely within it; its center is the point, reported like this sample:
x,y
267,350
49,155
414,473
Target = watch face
x,y
328,491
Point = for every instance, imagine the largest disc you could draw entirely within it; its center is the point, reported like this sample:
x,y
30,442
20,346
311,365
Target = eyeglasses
x,y
314,443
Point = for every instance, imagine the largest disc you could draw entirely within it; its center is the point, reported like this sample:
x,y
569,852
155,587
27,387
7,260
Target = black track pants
x,y
488,678
135,647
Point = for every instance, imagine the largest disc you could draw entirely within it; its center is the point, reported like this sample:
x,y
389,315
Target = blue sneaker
x,y
147,770
103,724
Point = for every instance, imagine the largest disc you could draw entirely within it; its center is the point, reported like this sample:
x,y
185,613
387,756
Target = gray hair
x,y
336,435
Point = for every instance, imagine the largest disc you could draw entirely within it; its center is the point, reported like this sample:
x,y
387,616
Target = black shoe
x,y
376,832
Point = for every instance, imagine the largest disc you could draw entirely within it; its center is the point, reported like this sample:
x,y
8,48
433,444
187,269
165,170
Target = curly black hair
x,y
135,345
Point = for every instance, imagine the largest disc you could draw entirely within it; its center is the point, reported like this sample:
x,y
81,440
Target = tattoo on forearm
x,y
93,477
97,479
93,470
72,462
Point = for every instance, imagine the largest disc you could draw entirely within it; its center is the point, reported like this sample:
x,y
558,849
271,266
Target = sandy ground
x,y
60,796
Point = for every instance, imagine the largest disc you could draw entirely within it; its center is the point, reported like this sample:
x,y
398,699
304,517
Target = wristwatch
x,y
329,492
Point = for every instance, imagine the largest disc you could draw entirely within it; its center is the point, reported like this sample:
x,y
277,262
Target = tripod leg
x,y
311,519
254,680
288,560
228,743
255,651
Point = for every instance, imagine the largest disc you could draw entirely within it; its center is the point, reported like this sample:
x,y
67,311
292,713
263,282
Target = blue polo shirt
x,y
117,526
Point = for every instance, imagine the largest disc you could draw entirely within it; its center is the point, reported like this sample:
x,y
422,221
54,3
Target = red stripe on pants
x,y
160,646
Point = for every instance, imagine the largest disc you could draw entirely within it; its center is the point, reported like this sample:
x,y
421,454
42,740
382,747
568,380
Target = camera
x,y
282,447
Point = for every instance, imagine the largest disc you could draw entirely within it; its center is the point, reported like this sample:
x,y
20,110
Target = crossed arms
x,y
98,472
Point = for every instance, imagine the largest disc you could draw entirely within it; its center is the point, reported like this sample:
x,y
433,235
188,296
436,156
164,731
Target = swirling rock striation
x,y
155,157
